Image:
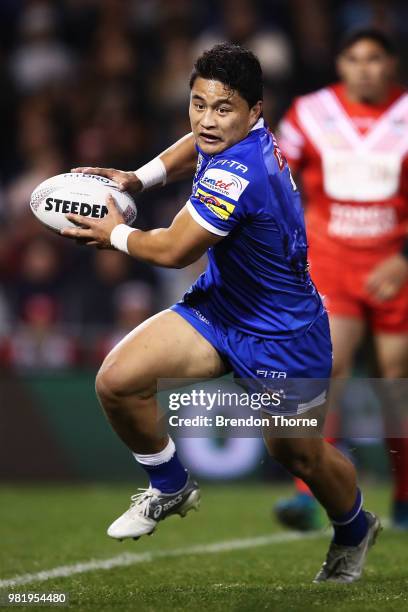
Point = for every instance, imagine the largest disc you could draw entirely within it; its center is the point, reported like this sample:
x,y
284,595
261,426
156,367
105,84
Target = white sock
x,y
157,458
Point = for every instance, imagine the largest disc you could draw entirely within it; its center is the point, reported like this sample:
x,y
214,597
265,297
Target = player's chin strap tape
x,y
119,237
151,174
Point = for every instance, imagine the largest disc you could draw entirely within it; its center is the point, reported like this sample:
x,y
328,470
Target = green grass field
x,y
44,528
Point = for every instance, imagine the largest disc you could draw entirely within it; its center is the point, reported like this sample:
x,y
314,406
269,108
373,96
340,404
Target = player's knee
x,y
112,384
108,384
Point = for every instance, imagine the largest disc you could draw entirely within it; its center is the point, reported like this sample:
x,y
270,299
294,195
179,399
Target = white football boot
x,y
344,564
151,506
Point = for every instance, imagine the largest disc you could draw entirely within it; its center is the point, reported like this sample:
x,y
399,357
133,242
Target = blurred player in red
x,y
348,144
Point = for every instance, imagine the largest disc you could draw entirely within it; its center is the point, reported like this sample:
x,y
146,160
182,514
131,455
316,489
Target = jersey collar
x,y
259,124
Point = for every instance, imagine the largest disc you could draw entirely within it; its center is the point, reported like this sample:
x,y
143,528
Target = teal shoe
x,y
301,512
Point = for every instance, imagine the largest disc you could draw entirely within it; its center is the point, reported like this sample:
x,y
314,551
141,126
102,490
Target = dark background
x,y
105,82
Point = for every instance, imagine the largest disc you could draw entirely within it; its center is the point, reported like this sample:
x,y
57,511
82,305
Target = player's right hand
x,y
388,277
127,181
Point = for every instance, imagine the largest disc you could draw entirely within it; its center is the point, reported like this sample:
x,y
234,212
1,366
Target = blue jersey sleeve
x,y
218,201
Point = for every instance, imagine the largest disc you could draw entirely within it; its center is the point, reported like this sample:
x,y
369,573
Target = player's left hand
x,y
388,277
95,232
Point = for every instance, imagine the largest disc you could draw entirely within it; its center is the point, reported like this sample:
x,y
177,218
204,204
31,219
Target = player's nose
x,y
208,120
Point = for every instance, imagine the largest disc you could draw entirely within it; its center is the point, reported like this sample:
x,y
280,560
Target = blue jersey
x,y
256,280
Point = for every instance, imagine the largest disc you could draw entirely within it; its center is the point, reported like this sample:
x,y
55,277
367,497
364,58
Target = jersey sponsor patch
x,y
224,182
370,176
349,221
219,207
231,163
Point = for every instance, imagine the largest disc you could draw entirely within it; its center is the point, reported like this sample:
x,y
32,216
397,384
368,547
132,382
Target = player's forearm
x,y
175,163
180,159
158,248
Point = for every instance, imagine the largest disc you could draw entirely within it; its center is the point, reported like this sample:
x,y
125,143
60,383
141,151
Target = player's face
x,y
367,70
219,116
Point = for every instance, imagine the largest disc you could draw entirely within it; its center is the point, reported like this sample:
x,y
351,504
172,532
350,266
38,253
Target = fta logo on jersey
x,y
225,183
219,207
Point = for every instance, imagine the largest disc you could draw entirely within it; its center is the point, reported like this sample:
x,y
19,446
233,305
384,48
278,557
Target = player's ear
x,y
255,112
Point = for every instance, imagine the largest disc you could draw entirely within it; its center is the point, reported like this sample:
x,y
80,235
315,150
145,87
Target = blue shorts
x,y
271,363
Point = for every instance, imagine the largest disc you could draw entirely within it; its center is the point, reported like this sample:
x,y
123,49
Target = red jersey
x,y
353,160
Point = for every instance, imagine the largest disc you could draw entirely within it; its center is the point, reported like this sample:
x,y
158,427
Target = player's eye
x,y
223,110
198,106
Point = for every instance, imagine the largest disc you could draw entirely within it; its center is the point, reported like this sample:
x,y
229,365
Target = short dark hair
x,y
238,68
378,36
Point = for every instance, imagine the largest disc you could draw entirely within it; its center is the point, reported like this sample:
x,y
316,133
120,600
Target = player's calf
x,y
300,463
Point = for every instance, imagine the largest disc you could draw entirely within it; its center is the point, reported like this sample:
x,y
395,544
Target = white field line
x,y
125,559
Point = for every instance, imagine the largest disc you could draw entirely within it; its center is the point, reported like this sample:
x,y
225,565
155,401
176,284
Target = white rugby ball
x,y
81,194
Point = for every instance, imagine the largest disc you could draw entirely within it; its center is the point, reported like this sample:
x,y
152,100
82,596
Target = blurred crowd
x,y
105,82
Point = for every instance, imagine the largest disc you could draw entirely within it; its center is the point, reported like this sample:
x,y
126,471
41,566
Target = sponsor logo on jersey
x,y
225,183
349,221
219,207
97,211
277,152
271,374
231,163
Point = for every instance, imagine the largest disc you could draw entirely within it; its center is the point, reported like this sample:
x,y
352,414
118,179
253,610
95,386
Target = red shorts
x,y
340,275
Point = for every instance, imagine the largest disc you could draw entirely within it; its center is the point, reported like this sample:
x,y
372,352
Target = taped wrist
x,y
152,173
119,237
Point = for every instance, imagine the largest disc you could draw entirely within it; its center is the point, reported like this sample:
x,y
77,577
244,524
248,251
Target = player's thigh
x,y
392,354
346,334
164,346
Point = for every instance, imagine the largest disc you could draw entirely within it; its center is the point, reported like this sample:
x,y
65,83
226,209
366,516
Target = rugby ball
x,y
81,194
